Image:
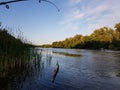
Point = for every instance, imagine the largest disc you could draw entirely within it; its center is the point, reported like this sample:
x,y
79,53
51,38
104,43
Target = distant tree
x,y
104,37
101,38
117,28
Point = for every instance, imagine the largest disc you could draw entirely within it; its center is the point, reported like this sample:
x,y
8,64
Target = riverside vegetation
x,y
104,37
12,46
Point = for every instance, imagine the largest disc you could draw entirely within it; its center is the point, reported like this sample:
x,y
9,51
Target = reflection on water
x,y
14,71
55,72
67,54
118,73
36,70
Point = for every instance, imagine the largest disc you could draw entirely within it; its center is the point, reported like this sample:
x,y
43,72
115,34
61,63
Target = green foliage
x,y
101,38
117,27
111,46
11,46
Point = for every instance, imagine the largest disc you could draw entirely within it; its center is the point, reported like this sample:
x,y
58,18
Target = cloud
x,y
74,2
70,21
90,14
73,16
105,14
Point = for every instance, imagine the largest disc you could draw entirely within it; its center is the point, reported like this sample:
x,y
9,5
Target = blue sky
x,y
41,23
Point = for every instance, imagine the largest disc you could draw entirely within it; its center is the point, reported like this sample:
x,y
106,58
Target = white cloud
x,y
92,13
105,14
74,2
70,21
72,16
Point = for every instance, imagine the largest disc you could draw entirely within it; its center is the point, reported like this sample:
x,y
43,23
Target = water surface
x,y
78,70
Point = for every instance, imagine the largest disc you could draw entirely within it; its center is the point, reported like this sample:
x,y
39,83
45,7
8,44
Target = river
x,y
79,69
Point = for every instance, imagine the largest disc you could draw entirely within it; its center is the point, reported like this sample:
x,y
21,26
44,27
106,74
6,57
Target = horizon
x,y
42,24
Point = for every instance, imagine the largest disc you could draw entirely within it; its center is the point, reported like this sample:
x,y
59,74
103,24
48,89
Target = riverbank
x,y
12,46
105,37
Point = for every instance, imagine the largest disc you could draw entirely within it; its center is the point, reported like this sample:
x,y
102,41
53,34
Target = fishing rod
x,y
13,1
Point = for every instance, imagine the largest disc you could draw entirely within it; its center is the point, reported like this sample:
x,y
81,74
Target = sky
x,y
41,23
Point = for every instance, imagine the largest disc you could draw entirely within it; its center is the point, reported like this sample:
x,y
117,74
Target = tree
x,y
104,37
117,28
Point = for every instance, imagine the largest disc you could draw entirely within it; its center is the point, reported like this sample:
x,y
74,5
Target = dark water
x,y
78,70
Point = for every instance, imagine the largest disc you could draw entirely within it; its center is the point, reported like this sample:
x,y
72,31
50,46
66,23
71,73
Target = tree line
x,y
104,37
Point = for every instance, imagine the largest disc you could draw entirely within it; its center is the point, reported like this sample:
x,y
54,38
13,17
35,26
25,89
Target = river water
x,y
79,69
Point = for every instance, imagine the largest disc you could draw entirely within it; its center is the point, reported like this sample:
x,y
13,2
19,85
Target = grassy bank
x,y
12,46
